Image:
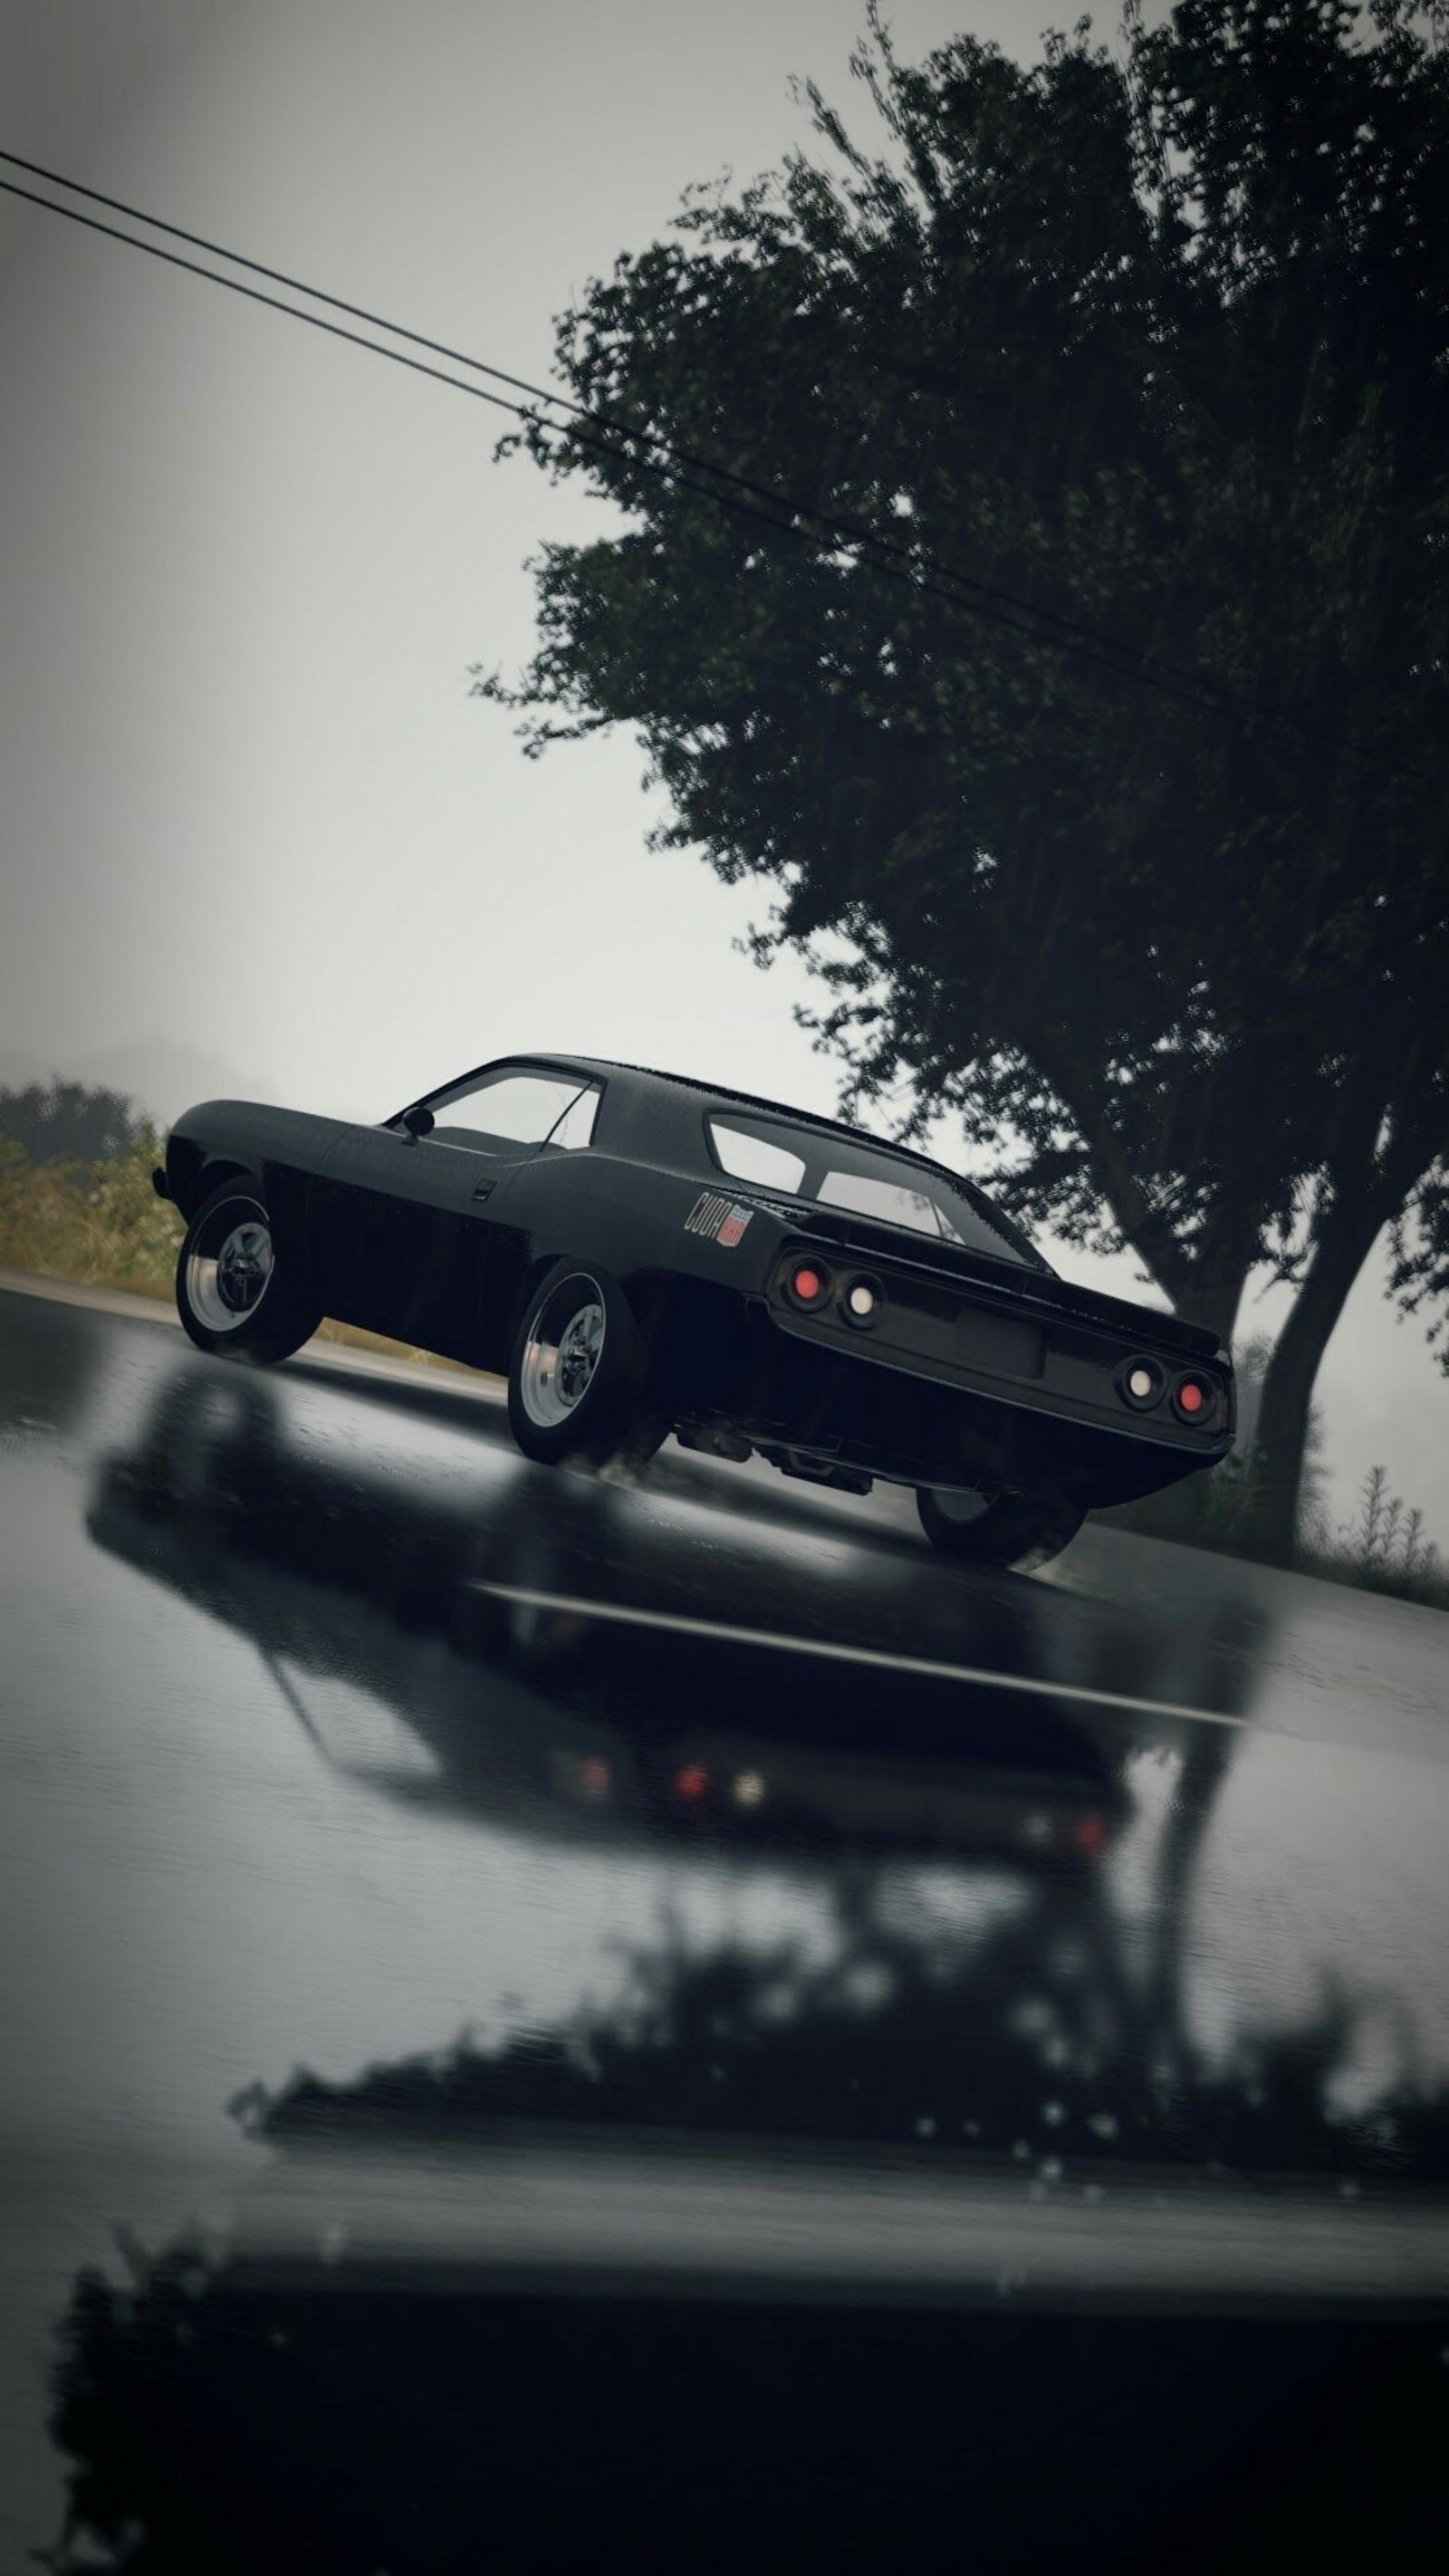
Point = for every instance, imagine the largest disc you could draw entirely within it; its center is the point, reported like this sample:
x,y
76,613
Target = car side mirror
x,y
418,1122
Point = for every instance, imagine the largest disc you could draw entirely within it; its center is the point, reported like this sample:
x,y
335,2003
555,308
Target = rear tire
x,y
238,1296
1019,1530
578,1377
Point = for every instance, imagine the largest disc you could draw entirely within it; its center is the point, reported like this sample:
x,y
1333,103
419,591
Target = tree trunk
x,y
1226,1250
1348,1234
1215,1302
1204,1283
1205,1762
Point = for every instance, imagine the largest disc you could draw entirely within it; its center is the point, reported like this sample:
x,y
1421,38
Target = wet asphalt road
x,y
337,1738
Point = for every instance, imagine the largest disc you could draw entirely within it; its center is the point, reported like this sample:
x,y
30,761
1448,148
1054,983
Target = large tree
x,y
1085,699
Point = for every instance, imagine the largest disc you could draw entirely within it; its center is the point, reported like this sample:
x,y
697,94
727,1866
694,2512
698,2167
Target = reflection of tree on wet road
x,y
983,2007
356,2416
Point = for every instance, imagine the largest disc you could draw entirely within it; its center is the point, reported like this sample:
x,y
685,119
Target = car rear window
x,y
771,1156
889,1200
748,1156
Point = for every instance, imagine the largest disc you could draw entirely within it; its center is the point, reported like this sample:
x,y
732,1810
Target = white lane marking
x,y
719,1631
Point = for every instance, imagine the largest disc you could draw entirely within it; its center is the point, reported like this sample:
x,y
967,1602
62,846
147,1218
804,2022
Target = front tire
x,y
577,1378
236,1293
1020,1530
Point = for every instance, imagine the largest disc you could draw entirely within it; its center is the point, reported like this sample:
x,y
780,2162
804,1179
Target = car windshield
x,y
877,1184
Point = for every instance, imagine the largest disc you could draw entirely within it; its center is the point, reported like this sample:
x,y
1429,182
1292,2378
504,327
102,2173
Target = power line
x,y
1022,616
358,339
647,451
622,441
253,294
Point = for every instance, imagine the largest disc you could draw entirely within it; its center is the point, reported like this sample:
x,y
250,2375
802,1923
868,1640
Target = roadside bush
x,y
1383,1549
101,1223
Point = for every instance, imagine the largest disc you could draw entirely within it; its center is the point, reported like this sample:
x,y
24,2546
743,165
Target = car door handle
x,y
483,1190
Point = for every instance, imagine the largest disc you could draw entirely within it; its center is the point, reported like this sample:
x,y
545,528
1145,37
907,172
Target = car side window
x,y
576,1127
511,1109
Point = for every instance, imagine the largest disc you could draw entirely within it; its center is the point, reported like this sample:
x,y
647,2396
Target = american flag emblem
x,y
718,1216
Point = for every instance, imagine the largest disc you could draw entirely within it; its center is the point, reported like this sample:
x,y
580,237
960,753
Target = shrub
x,y
1384,1548
101,1223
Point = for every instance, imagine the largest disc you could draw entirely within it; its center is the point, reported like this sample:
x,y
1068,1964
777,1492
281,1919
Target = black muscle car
x,y
642,1254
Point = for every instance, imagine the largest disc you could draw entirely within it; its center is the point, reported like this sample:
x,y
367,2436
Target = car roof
x,y
598,1068
601,1066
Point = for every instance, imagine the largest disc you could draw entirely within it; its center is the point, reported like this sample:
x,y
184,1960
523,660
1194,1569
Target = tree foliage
x,y
219,2405
1105,785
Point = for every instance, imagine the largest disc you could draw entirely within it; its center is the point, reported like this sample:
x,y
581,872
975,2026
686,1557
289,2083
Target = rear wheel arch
x,y
578,1374
646,1297
525,1288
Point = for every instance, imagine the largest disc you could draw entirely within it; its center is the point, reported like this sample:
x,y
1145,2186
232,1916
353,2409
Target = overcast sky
x,y
255,834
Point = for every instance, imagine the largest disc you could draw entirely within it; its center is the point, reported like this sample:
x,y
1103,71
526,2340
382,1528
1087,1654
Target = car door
x,y
404,1230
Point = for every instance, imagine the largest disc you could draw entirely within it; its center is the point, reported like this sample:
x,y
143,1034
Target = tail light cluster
x,y
692,1786
856,1297
1143,1384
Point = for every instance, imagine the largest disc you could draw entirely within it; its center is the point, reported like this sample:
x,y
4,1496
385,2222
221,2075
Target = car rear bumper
x,y
849,1411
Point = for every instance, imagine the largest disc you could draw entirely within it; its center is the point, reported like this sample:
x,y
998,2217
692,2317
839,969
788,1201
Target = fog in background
x,y
255,836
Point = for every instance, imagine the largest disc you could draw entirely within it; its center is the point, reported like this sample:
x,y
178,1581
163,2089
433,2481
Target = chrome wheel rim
x,y
562,1354
227,1279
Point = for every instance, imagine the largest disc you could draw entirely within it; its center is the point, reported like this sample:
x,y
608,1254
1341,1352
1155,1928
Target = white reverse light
x,y
1140,1384
861,1299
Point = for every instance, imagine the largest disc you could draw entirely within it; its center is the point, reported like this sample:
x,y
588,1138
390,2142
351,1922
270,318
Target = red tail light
x,y
1192,1398
808,1283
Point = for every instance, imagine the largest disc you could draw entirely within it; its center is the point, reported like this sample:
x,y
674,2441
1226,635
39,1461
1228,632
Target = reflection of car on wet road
x,y
643,1254
622,1737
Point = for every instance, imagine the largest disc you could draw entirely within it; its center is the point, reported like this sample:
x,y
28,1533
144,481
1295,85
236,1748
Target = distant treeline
x,y
69,1122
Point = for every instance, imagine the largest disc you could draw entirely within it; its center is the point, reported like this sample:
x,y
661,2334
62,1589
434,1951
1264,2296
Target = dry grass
x,y
1384,1550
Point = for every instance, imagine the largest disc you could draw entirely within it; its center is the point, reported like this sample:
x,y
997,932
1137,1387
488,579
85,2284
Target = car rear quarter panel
x,y
688,1292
